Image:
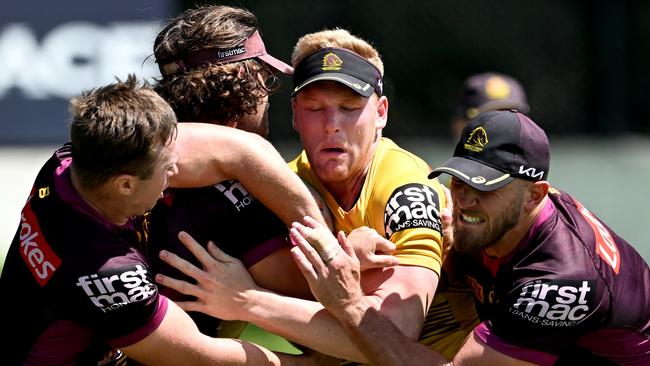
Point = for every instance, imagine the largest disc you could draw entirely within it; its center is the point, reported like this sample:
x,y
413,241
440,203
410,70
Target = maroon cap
x,y
490,91
253,47
497,147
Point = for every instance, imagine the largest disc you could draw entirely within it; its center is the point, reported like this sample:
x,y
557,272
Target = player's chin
x,y
149,207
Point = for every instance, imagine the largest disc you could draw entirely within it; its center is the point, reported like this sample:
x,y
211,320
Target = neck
x,y
514,236
346,193
99,200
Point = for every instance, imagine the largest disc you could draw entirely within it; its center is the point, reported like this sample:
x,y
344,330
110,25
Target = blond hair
x,y
338,38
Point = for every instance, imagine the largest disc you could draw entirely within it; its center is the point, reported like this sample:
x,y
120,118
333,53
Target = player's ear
x,y
382,112
293,113
536,191
124,184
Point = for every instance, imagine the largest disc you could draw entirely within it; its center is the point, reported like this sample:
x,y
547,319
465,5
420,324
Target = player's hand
x,y
372,249
447,223
220,286
336,282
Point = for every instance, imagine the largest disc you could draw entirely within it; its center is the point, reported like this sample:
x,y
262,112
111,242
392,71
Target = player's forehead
x,y
325,89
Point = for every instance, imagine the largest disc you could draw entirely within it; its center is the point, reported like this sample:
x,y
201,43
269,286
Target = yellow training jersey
x,y
401,203
398,200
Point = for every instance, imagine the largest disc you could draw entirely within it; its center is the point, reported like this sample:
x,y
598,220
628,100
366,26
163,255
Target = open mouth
x,y
333,150
470,219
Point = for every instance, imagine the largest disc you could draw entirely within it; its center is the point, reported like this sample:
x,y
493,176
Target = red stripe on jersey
x,y
36,252
605,245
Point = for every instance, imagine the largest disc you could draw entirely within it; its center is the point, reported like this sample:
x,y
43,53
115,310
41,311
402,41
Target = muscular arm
x,y
177,341
209,154
383,344
336,285
402,294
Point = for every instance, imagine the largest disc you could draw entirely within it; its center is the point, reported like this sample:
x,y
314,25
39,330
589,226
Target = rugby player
x,y
215,70
339,112
553,283
76,283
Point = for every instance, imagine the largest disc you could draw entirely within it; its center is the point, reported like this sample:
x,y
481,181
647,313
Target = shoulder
x,y
590,238
398,177
391,156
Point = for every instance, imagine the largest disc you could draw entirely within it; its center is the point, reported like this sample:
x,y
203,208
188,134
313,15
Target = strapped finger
x,y
304,265
311,254
319,237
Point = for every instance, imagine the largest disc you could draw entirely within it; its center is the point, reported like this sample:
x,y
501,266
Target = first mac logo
x,y
110,291
411,206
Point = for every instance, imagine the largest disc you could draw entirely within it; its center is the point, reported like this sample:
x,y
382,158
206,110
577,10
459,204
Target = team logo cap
x,y
343,66
497,147
490,91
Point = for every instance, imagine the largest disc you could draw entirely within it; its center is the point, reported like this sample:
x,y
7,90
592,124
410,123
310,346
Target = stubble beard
x,y
472,241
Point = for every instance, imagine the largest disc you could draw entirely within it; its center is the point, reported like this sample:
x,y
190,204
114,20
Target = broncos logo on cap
x,y
332,62
497,88
477,140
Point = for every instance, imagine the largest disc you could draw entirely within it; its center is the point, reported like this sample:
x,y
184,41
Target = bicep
x,y
209,154
402,294
203,153
177,341
167,341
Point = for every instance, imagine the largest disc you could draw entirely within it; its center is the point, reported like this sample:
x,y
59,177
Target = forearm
x,y
274,184
209,154
380,340
177,341
301,321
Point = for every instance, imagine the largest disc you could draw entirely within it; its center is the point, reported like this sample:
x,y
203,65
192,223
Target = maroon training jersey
x,y
571,285
225,213
74,285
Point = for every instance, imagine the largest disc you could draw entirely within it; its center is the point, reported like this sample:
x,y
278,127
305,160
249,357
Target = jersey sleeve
x,y
410,205
547,313
487,336
118,298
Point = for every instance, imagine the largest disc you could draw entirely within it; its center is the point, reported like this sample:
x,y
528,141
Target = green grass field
x,y
268,340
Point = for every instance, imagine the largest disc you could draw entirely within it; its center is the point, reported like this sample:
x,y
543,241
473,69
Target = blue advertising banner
x,y
51,51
